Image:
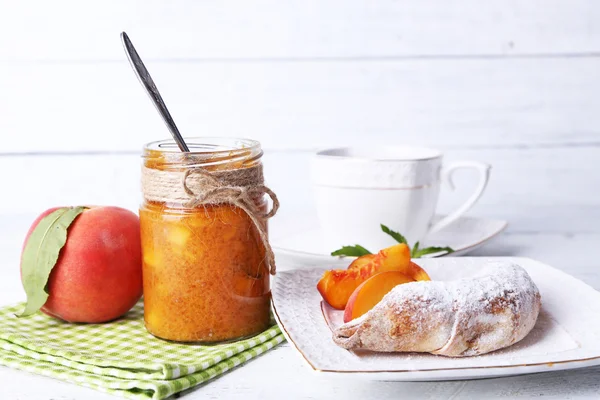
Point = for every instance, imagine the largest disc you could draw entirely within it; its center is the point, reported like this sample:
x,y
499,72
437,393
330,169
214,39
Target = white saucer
x,y
306,246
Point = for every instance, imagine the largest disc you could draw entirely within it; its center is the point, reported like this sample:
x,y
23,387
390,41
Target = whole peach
x,y
98,275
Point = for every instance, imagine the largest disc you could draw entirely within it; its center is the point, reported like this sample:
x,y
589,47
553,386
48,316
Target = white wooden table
x,y
281,373
512,83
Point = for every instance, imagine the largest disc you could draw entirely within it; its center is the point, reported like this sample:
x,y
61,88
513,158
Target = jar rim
x,y
204,152
201,145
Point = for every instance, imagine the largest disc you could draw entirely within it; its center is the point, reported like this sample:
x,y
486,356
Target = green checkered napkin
x,y
119,357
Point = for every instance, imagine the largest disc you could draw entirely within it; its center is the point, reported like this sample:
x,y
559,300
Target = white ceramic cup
x,y
357,189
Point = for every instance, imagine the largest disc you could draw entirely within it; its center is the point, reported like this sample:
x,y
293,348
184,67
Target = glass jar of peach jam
x,y
204,269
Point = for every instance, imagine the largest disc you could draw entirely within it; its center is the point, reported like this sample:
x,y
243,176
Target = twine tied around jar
x,y
194,187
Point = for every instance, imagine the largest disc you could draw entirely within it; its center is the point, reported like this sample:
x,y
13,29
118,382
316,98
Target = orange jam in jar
x,y
206,278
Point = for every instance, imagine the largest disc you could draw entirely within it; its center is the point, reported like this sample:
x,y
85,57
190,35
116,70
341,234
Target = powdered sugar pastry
x,y
489,311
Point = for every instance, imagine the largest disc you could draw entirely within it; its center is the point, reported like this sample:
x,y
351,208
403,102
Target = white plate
x,y
464,235
566,335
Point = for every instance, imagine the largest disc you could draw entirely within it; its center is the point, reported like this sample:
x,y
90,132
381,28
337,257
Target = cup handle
x,y
446,176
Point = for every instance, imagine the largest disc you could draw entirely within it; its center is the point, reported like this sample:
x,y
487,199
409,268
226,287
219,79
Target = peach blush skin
x,y
98,275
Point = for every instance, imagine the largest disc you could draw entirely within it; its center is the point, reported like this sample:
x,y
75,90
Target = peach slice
x,y
390,259
371,291
397,258
336,286
416,272
362,261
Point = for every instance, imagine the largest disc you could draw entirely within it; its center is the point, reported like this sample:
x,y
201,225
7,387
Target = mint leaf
x,y
41,254
430,250
414,250
398,237
351,251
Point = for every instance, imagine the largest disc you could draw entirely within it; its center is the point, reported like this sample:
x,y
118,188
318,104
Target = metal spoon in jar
x,y
146,81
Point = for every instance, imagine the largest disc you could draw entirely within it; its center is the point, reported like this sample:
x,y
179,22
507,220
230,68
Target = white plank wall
x,y
514,83
69,30
305,104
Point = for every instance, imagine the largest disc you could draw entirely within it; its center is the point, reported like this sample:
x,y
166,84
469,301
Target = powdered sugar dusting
x,y
493,309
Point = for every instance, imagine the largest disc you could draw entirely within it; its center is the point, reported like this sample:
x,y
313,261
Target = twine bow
x,y
244,194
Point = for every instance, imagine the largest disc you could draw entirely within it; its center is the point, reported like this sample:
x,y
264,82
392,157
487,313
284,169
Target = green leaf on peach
x,y
41,253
